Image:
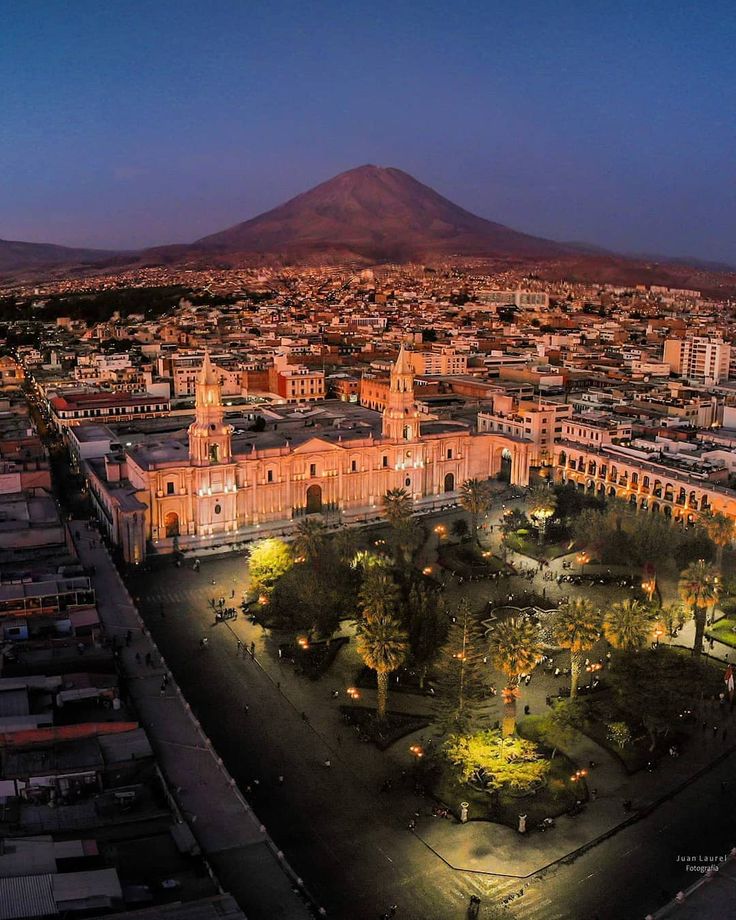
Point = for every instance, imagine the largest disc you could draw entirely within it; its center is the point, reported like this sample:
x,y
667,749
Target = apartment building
x,y
438,361
296,382
75,408
706,360
536,421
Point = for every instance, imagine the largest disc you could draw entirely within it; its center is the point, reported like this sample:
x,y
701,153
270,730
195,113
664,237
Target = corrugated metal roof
x,y
87,617
74,887
26,896
14,702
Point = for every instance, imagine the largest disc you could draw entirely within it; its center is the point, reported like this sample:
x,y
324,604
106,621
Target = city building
x,y
216,487
706,360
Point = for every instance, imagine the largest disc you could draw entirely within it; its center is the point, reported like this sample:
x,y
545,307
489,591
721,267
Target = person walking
x,y
246,709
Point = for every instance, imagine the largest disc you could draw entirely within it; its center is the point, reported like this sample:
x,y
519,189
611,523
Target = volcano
x,y
370,215
376,213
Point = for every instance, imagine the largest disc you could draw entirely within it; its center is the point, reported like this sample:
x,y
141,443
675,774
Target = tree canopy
x,y
489,761
268,560
654,687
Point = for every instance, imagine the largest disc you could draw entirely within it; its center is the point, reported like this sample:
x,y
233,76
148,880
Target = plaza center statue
x,y
339,463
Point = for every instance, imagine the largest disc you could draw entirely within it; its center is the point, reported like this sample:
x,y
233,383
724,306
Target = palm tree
x,y
398,506
379,595
628,625
383,645
476,498
309,540
346,545
542,503
516,646
699,588
576,626
719,528
671,618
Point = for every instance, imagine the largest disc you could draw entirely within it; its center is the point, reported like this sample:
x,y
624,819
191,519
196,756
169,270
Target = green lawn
x,y
528,546
468,559
724,631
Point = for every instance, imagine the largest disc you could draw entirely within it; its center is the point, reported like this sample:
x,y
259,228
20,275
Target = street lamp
x,y
541,516
417,751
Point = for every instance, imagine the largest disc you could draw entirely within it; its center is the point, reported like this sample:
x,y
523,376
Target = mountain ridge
x,y
372,215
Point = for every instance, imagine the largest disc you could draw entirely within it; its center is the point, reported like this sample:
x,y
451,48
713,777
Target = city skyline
x,y
159,125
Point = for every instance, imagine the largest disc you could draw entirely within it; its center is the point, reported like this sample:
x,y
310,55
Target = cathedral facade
x,y
219,488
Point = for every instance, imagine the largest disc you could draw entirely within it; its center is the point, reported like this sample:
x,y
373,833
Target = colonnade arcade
x,y
642,487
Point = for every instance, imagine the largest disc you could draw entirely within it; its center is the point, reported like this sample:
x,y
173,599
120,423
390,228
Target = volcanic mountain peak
x,y
376,212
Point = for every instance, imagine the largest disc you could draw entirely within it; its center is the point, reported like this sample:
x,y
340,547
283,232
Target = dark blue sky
x,y
142,122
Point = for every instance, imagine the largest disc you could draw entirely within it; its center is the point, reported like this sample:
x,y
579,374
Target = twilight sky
x,y
128,123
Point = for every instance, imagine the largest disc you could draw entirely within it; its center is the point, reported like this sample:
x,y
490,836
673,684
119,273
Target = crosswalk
x,y
515,899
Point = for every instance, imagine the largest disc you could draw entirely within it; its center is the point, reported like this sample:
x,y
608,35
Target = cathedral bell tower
x,y
401,417
209,436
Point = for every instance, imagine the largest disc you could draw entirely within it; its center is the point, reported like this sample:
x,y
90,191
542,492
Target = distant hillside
x,y
15,255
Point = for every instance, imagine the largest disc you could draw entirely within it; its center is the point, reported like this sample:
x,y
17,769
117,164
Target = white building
x,y
698,358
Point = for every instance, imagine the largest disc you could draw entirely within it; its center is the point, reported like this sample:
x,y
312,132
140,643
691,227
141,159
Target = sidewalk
x,y
231,837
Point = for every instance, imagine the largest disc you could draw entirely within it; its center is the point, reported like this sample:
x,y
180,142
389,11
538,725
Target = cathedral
x,y
225,487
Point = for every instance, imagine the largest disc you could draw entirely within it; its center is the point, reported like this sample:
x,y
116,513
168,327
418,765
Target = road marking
x,y
384,853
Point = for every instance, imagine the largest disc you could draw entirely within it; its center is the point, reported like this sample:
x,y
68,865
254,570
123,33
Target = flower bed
x,y
466,559
556,797
404,680
383,734
314,660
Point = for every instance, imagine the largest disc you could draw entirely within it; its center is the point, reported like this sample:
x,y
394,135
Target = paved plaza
x,y
351,841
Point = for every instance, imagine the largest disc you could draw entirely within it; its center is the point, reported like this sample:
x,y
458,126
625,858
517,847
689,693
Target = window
x,y
407,482
449,453
384,461
169,488
218,509
269,475
353,466
312,469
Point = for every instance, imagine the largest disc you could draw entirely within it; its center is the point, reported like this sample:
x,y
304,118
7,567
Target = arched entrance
x,y
171,524
504,473
314,499
450,482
